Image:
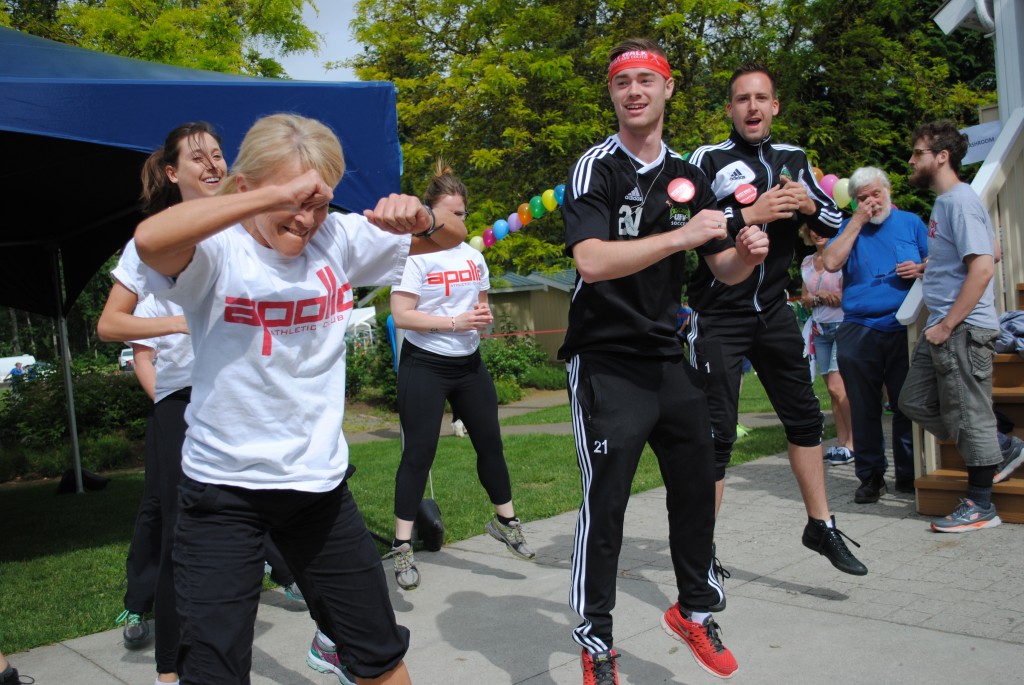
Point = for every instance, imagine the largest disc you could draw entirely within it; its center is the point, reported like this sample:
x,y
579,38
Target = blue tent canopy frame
x,y
76,126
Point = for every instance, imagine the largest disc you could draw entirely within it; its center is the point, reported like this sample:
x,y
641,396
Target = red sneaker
x,y
703,641
600,669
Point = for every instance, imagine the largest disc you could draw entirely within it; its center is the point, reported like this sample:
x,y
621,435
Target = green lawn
x,y
62,559
752,400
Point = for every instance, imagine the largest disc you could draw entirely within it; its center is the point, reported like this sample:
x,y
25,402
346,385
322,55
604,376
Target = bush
x,y
111,411
546,377
512,356
508,390
370,373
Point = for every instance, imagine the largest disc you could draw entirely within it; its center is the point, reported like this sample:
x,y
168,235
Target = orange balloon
x,y
818,173
525,215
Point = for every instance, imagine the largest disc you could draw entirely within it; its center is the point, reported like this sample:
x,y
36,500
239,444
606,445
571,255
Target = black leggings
x,y
168,423
425,380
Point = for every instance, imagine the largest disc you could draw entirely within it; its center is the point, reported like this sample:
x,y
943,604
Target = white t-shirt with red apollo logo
x,y
268,385
448,283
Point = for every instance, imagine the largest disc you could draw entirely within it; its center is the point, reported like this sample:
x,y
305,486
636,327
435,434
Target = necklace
x,y
636,175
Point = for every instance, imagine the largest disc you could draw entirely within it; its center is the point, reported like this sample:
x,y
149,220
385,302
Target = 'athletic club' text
x,y
297,316
447,278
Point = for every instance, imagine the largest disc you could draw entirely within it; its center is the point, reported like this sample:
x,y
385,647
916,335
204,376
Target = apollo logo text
x,y
286,318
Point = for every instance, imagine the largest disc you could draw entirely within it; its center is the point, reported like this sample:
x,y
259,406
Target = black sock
x,y
979,484
505,521
398,543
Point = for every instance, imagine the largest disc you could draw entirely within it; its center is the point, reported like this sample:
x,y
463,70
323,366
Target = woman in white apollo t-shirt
x,y
823,297
442,303
265,277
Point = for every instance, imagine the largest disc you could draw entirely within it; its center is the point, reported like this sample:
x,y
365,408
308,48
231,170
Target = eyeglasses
x,y
918,152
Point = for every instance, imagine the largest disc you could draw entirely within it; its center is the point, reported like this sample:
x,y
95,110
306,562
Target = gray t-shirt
x,y
959,226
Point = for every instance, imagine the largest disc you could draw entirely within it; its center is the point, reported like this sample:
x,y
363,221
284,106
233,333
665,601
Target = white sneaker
x,y
459,429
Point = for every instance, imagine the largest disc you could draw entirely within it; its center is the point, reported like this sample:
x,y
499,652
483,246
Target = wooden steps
x,y
939,491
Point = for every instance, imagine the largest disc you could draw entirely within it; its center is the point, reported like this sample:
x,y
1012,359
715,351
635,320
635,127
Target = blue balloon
x,y
560,193
500,229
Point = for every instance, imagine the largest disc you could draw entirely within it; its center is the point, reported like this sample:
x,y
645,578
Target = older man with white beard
x,y
880,250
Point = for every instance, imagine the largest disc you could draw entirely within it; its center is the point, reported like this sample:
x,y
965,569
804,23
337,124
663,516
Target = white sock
x,y
161,682
699,616
829,523
324,639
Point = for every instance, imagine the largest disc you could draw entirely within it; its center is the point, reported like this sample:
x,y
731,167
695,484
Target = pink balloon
x,y
489,238
828,182
514,224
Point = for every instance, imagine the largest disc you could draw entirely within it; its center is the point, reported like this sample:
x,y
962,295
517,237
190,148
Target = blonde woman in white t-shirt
x,y
442,303
265,277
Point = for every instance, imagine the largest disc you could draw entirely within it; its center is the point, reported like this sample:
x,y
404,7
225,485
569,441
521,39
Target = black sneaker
x,y
718,574
870,490
828,542
9,676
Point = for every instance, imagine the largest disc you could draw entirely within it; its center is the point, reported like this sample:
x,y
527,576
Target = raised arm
x,y
166,241
434,230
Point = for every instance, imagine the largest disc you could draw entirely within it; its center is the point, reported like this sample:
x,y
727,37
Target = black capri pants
x,y
425,380
771,340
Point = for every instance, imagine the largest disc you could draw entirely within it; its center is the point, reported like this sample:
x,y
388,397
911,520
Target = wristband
x,y
433,227
453,324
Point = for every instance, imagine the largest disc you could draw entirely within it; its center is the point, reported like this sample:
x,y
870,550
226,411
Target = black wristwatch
x,y
434,228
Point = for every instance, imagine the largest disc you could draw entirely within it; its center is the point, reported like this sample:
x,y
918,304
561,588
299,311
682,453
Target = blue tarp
x,y
76,126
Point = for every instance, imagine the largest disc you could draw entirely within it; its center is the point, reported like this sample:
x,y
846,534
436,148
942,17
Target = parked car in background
x,y
126,361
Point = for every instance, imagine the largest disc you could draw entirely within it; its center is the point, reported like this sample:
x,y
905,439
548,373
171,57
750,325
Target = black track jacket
x,y
733,163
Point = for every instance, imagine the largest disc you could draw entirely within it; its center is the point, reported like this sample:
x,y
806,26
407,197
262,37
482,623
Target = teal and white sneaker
x,y
136,629
966,517
323,658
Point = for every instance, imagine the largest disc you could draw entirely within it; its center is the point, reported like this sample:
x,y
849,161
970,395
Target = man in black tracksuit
x,y
632,208
760,182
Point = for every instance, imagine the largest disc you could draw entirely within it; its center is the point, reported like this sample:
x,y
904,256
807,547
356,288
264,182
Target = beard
x,y
919,178
880,218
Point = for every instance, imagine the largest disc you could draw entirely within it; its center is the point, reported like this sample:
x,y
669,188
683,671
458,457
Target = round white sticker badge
x,y
746,193
681,189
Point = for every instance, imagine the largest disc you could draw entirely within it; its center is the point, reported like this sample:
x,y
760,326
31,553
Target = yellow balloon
x,y
841,192
548,198
477,243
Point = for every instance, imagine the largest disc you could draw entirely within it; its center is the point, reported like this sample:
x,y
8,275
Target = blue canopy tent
x,y
77,125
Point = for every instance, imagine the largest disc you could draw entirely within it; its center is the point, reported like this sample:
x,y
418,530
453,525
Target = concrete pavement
x,y
933,609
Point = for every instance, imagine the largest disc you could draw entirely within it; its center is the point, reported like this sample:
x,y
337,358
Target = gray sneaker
x,y
406,574
966,517
512,536
1013,457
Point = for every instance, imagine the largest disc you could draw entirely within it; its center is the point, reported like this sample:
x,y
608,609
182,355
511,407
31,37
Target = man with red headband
x,y
632,209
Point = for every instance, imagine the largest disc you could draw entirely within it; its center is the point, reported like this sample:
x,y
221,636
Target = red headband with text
x,y
642,59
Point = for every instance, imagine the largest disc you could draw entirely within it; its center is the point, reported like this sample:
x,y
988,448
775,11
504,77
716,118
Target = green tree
x,y
234,36
512,91
238,36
